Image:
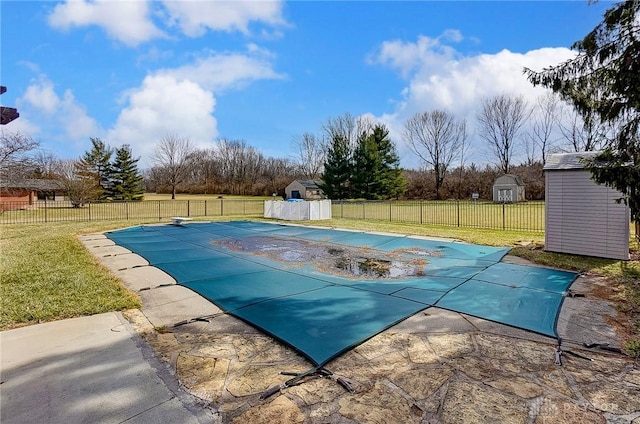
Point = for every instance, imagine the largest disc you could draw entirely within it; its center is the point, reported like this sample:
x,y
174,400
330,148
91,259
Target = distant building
x,y
304,189
508,189
23,194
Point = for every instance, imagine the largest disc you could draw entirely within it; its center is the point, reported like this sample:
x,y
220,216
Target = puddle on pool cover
x,y
357,262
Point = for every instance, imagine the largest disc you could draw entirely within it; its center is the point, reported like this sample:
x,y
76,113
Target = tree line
x,y
352,157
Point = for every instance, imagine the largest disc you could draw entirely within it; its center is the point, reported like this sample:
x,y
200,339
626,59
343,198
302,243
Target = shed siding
x,y
583,218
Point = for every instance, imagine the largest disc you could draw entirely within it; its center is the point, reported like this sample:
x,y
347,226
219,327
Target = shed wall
x,y
583,218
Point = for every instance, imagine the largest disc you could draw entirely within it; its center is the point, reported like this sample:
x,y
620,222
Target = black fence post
x,y
421,205
458,211
45,209
503,216
221,207
188,208
159,217
89,211
205,208
126,207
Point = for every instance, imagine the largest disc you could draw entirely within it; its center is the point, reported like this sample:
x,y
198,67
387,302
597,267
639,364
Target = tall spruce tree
x,y
393,183
376,170
368,174
604,80
95,165
337,169
126,181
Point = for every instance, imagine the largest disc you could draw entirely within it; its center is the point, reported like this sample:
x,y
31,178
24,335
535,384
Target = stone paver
x,y
435,367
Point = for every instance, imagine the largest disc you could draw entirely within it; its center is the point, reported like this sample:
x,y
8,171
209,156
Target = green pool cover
x,y
324,291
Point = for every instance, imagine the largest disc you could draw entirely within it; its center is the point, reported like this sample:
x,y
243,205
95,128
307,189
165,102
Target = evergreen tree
x,y
95,165
393,183
376,165
603,80
337,169
368,173
126,181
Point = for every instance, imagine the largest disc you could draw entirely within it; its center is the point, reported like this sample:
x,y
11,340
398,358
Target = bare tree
x,y
310,155
347,127
500,122
204,173
278,173
80,188
437,138
543,131
580,134
15,154
174,154
45,164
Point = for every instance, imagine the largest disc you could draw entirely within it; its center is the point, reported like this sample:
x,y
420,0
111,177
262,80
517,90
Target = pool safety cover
x,y
324,291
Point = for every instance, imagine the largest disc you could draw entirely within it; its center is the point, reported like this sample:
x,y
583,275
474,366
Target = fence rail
x,y
527,216
59,211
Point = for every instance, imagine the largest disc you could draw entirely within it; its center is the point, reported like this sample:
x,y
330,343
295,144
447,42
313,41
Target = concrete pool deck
x,y
435,367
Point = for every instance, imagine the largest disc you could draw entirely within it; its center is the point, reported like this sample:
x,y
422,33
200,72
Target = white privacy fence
x,y
298,210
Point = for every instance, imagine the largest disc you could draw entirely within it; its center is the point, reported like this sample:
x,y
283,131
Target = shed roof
x,y
309,183
565,161
509,178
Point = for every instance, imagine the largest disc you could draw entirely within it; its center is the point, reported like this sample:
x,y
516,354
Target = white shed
x,y
508,189
304,189
582,217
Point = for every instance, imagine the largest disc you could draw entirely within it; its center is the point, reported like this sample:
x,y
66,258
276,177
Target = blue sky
x,y
131,72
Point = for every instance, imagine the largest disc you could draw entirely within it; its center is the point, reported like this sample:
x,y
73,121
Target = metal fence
x,y
527,216
59,211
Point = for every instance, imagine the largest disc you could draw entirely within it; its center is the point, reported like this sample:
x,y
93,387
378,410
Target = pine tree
x,y
126,181
377,173
95,165
337,169
368,169
393,183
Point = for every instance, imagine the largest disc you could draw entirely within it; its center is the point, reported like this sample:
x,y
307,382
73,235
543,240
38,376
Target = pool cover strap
x,y
299,378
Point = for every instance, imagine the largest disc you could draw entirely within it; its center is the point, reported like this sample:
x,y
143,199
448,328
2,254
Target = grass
x,y
46,274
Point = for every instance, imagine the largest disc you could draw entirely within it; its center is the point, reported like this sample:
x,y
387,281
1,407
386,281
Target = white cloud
x,y
439,77
224,71
165,105
196,17
181,101
125,21
40,103
426,52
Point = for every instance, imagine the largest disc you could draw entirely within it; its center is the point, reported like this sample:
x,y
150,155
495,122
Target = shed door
x,y
505,195
295,194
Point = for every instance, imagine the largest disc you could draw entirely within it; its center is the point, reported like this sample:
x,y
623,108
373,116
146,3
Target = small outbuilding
x,y
583,217
304,189
508,189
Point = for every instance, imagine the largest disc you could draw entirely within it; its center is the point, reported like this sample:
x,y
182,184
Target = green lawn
x,y
46,274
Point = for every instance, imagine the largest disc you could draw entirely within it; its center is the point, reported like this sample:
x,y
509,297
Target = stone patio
x,y
435,367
